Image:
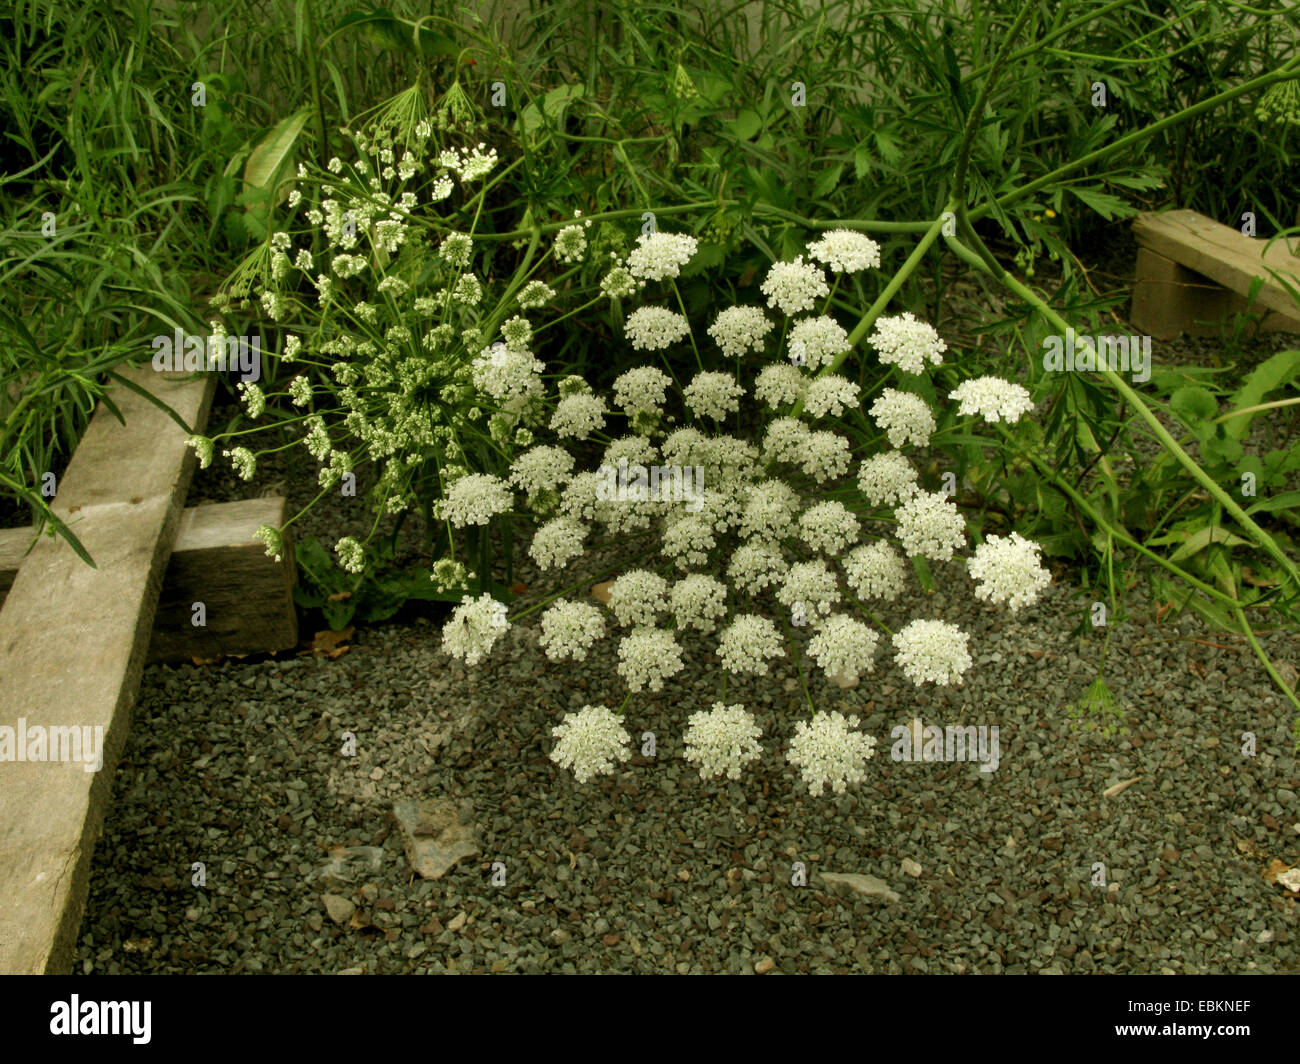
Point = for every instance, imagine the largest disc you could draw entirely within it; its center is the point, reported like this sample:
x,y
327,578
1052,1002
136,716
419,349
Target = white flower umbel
x,y
697,601
507,375
632,450
591,740
351,554
738,330
993,399
557,542
638,597
809,588
829,753
829,527
541,469
830,395
875,570
770,511
846,251
755,566
647,657
721,741
907,343
825,456
641,389
1009,571
474,500
654,328
747,644
785,440
904,417
843,647
931,526
580,497
578,416
887,478
713,395
688,538
794,286
816,342
569,629
474,628
780,384
660,255
932,652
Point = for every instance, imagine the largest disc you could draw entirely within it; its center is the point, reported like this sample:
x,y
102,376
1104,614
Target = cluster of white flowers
x,y
905,417
780,384
747,644
654,328
816,342
641,389
887,478
932,652
794,286
809,591
474,499
993,399
713,395
661,255
557,542
846,251
931,526
578,415
830,753
475,626
829,527
648,657
907,343
738,330
875,570
722,740
541,469
843,646
569,629
591,740
829,394
638,597
698,601
1009,571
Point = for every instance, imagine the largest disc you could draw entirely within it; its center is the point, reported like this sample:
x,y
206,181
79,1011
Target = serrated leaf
x,y
1108,206
1272,373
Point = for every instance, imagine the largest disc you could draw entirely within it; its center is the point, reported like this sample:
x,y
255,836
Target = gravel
x,y
240,767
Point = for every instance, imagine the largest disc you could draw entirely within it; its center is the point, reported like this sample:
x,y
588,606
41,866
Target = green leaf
x,y
827,180
271,154
1108,206
1196,408
1287,500
746,124
552,107
1202,538
861,163
1270,374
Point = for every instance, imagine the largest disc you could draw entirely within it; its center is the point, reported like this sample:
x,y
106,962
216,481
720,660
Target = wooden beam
x,y
1226,256
247,597
73,642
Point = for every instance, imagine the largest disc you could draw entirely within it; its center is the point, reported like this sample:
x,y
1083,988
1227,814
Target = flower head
x,y
722,740
591,740
830,753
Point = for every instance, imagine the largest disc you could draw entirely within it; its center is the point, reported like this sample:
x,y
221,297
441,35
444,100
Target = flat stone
x,y
348,865
437,835
339,908
911,868
854,883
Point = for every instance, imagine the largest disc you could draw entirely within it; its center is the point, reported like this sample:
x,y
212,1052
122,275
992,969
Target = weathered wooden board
x,y
247,597
73,642
1186,261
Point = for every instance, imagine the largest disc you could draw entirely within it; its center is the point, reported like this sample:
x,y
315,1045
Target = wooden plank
x,y
72,647
247,596
1224,255
1168,297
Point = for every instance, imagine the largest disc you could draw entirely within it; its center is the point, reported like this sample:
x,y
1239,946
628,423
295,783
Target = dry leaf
x,y
1275,868
205,661
1119,788
331,644
339,596
519,589
600,592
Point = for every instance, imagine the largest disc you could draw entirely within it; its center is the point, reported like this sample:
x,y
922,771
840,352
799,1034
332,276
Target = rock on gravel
x,y
437,835
848,884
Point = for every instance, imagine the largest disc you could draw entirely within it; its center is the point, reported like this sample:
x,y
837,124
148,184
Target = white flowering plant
x,y
408,338
762,527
